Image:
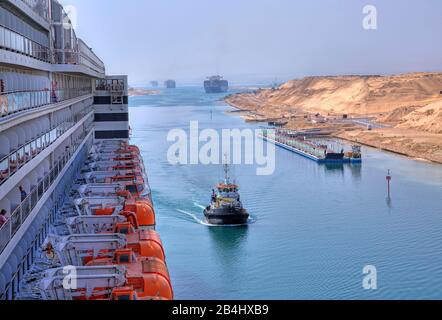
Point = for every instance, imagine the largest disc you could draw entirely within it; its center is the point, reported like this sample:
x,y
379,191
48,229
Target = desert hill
x,y
405,102
350,94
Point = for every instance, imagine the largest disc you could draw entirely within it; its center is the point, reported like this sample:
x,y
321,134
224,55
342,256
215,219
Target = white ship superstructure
x,y
55,102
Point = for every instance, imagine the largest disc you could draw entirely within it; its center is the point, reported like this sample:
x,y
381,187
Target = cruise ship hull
x,y
73,191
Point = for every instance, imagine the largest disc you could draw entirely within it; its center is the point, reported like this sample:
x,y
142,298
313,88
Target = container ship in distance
x,y
74,193
297,143
170,84
216,84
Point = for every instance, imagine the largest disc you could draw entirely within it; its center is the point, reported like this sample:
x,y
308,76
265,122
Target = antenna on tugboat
x,y
226,169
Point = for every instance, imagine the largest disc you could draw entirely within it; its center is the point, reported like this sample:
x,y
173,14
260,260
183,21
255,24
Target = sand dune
x,y
428,118
350,94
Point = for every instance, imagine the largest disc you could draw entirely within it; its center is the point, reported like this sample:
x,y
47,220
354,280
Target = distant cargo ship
x,y
170,84
154,84
216,84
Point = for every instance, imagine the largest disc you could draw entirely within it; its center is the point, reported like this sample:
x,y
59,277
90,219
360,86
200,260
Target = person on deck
x,y
3,218
23,194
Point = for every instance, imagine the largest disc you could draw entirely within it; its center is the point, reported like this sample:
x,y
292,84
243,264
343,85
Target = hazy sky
x,y
259,40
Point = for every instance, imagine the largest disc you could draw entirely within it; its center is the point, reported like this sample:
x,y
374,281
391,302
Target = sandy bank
x,y
409,104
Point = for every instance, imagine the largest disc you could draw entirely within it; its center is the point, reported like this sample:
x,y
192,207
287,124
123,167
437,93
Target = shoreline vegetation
x,y
400,114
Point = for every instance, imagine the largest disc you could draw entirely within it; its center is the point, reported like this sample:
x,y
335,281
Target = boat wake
x,y
196,204
203,222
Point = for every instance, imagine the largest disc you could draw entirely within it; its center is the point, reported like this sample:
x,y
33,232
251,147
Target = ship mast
x,y
226,170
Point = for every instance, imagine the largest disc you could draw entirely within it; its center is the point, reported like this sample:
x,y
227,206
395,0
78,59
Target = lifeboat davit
x,y
139,213
145,243
116,253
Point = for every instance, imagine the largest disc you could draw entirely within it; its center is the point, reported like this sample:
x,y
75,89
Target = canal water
x,y
313,228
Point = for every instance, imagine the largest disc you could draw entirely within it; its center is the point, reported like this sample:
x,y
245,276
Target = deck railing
x,y
40,7
21,213
11,163
13,102
15,42
83,56
80,55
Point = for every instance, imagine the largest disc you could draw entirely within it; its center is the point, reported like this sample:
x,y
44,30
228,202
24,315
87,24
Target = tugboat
x,y
226,207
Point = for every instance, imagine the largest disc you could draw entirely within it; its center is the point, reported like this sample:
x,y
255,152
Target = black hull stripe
x,y
115,134
108,117
107,100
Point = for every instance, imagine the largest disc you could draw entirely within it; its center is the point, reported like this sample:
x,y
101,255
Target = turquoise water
x,y
313,227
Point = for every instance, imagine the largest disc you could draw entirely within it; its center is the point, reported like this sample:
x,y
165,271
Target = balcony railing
x,y
81,55
19,215
13,41
40,7
12,102
11,163
84,58
110,85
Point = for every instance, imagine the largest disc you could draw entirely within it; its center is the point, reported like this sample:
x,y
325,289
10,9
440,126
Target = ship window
x,y
140,188
124,258
124,297
123,230
131,188
2,36
117,100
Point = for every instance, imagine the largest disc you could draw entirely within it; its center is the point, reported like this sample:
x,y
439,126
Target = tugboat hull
x,y
226,218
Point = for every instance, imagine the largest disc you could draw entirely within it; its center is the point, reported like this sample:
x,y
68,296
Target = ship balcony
x,y
111,85
47,183
14,42
14,102
13,162
37,10
74,61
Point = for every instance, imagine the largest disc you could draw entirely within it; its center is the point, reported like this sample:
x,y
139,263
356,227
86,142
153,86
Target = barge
x,y
308,148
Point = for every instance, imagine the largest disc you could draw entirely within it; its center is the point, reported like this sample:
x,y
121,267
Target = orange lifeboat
x,y
139,213
128,149
143,210
145,243
129,294
149,277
